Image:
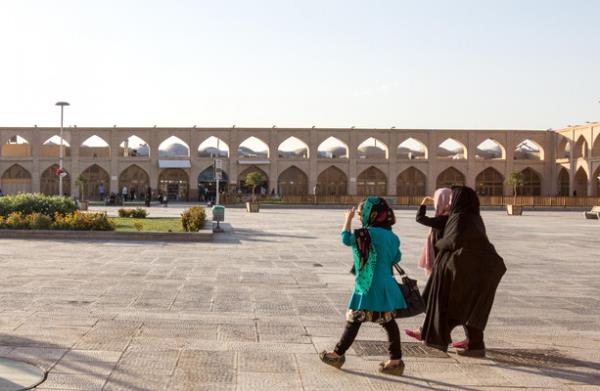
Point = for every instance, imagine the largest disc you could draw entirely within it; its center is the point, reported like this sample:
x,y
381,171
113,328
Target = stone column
x,y
274,158
35,163
352,157
433,163
313,153
114,161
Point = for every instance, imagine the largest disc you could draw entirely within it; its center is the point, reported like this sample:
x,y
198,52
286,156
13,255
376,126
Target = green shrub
x,y
193,219
138,213
16,220
80,221
39,221
27,203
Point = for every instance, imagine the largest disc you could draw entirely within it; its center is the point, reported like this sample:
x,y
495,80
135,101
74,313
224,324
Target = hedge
x,y
138,213
27,204
76,221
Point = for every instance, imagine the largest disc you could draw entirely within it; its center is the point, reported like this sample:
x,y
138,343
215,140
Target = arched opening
x,y
332,182
563,182
213,147
581,183
253,148
596,179
94,147
411,149
411,182
581,148
16,179
372,148
490,150
292,181
450,177
49,181
532,183
136,180
207,184
489,182
528,150
371,181
174,148
563,148
293,148
16,146
134,146
332,148
261,189
174,182
51,147
596,147
97,184
451,149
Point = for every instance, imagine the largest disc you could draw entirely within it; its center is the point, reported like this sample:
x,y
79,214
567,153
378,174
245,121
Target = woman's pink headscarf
x,y
441,203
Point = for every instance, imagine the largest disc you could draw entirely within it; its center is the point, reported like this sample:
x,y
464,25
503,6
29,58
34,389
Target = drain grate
x,y
409,349
539,358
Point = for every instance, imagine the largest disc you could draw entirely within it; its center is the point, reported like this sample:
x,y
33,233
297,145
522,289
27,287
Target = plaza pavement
x,y
252,310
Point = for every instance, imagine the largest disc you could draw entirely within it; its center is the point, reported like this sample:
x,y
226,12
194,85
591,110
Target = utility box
x,y
218,213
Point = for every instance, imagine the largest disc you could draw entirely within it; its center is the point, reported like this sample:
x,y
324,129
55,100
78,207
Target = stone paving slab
x,y
252,309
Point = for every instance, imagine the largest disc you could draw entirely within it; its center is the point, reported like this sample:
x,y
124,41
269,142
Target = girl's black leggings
x,y
351,330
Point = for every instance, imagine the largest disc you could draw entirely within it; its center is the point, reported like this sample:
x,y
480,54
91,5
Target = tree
x,y
254,179
81,181
515,179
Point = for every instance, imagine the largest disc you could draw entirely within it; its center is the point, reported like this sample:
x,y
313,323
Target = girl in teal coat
x,y
376,294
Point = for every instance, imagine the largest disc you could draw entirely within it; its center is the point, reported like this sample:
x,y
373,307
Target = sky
x,y
526,64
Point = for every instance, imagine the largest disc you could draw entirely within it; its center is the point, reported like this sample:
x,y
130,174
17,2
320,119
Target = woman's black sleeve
x,y
434,222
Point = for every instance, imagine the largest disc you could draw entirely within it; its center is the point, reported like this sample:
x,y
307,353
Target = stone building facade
x,y
324,160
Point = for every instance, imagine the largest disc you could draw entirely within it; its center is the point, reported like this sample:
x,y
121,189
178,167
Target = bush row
x,y
138,213
27,203
76,221
193,219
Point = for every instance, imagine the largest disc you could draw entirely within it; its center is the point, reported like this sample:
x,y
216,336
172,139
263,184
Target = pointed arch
x,y
563,182
246,189
292,181
529,150
581,182
412,149
371,181
450,177
596,179
213,147
332,181
411,182
372,148
253,147
49,181
51,147
532,182
293,148
174,148
16,179
596,147
581,148
451,149
207,183
134,146
16,146
489,182
137,181
490,149
563,147
174,183
94,146
333,148
97,184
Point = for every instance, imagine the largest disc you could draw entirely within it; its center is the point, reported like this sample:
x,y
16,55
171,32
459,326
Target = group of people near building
x,y
462,266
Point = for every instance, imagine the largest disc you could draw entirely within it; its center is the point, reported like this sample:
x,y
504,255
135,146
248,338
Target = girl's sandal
x,y
328,359
392,369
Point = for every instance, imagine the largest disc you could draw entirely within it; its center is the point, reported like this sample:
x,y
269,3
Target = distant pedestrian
x,y
101,191
1,193
376,295
148,197
132,194
124,192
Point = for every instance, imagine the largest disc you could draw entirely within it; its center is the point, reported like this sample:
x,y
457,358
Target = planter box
x,y
514,210
252,207
204,235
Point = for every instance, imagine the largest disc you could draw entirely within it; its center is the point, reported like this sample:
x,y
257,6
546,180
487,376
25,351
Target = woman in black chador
x,y
465,276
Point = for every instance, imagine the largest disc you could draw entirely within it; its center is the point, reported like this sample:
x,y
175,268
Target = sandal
x,y
413,334
460,345
392,369
336,362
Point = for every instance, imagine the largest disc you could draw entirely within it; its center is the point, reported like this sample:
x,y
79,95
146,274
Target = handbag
x,y
412,296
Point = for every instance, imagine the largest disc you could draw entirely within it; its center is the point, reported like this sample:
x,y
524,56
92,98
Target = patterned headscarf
x,y
375,213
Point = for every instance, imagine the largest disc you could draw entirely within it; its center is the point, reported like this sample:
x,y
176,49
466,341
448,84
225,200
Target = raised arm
x,y
437,222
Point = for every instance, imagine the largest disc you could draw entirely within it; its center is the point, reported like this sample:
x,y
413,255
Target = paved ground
x,y
251,311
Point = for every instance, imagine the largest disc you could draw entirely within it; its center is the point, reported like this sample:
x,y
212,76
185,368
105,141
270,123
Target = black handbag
x,y
412,296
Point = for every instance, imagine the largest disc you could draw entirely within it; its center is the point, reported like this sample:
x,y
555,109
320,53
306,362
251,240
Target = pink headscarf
x,y
441,203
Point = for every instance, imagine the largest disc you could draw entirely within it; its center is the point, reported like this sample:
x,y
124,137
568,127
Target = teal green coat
x,y
384,293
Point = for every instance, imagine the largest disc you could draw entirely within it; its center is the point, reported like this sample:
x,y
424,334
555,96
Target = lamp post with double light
x,y
61,149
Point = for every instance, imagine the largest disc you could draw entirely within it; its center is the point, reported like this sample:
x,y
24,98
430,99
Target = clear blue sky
x,y
421,64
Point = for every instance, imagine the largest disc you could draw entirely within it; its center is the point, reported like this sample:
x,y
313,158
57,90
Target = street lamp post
x,y
217,173
61,149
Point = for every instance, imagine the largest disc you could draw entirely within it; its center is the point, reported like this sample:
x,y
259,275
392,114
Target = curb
x,y
204,235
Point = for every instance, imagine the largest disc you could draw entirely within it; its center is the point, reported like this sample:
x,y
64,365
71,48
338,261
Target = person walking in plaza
x,y
376,294
148,197
101,191
466,273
